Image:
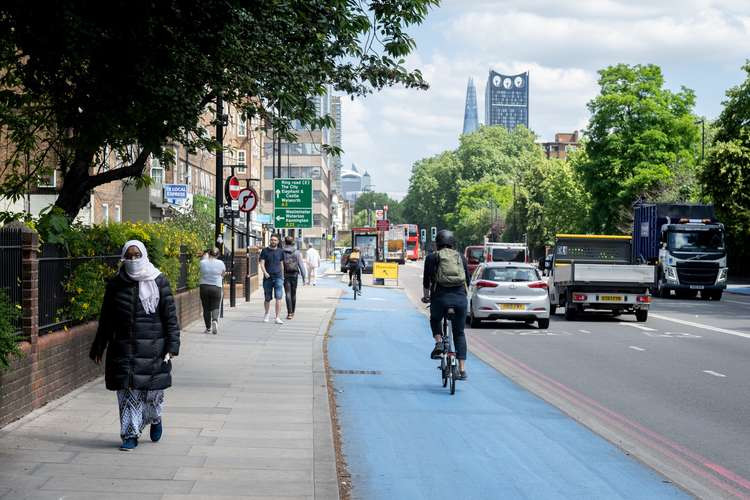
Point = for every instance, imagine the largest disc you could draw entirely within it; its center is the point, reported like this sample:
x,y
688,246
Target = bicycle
x,y
356,285
448,360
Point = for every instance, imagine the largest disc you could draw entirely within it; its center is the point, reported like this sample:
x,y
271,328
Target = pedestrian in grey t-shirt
x,y
211,287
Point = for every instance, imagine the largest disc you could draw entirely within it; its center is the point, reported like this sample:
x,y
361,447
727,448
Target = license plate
x,y
696,287
610,298
513,307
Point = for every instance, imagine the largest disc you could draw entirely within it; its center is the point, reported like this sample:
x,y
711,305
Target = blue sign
x,y
175,191
263,218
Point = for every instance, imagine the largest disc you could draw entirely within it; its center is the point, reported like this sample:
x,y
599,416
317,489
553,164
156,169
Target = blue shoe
x,y
129,444
155,433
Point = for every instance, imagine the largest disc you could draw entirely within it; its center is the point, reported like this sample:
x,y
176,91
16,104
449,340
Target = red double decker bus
x,y
412,242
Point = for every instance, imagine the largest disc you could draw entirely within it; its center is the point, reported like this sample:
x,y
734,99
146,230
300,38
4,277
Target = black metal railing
x,y
55,270
182,280
11,240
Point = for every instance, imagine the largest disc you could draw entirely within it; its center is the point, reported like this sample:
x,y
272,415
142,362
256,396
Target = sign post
x,y
292,203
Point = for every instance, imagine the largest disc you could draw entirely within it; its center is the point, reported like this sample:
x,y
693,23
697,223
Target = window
x,y
241,161
157,172
105,213
268,195
47,180
268,172
241,126
118,214
512,274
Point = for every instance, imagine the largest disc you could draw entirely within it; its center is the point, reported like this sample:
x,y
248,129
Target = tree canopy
x,y
368,200
640,137
80,79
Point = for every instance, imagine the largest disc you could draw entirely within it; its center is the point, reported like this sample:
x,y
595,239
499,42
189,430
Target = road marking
x,y
700,325
584,331
737,302
636,348
640,327
715,374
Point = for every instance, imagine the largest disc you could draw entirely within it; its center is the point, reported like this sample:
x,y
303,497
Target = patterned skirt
x,y
138,409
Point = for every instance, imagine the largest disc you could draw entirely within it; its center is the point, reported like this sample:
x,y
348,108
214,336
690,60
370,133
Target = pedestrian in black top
x,y
294,265
138,328
445,281
271,265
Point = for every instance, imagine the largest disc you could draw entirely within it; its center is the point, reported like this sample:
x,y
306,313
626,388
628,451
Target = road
x,y
673,391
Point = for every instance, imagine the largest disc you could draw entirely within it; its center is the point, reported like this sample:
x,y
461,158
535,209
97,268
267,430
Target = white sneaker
x,y
215,327
207,330
266,318
278,321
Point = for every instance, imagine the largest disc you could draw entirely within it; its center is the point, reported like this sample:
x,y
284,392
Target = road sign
x,y
175,193
383,225
248,200
379,214
424,235
292,203
235,205
433,233
233,187
385,270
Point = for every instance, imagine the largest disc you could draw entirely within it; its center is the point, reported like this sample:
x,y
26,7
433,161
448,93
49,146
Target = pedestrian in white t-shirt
x,y
312,257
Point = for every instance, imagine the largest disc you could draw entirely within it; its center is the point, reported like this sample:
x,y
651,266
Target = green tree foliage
x,y
9,314
641,138
479,206
366,201
496,152
78,79
726,174
433,190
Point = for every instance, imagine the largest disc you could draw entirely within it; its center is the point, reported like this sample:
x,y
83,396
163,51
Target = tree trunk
x,y
75,192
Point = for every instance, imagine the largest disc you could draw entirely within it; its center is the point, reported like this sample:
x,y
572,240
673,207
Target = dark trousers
x,y
211,301
439,307
290,293
355,270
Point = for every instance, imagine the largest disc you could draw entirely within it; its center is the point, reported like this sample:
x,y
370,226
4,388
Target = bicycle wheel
x,y
444,370
355,286
452,377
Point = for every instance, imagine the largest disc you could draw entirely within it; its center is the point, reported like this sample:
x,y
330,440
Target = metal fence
x,y
10,267
55,270
182,280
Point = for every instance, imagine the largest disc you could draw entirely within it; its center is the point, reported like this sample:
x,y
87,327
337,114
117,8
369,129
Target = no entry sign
x,y
248,199
232,188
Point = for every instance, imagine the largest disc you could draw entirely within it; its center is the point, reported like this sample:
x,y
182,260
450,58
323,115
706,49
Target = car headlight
x,y
723,274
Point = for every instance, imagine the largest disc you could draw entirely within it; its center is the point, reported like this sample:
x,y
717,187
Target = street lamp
x,y
702,121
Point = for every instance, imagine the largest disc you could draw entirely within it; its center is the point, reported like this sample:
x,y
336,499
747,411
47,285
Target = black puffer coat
x,y
136,342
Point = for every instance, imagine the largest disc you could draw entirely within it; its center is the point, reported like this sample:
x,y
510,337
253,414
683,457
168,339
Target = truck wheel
x,y
716,295
641,315
570,312
542,323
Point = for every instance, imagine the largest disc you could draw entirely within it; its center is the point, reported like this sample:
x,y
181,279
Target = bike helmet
x,y
444,239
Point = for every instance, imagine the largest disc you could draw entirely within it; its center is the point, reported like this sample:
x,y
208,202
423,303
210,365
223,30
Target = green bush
x,y
9,348
86,289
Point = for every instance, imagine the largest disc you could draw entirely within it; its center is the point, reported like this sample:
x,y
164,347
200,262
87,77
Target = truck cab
x,y
505,252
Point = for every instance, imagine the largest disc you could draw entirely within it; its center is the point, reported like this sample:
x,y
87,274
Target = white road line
x,y
584,331
640,327
736,302
715,374
700,325
636,348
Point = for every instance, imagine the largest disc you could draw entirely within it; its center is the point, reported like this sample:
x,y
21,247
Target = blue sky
x,y
700,44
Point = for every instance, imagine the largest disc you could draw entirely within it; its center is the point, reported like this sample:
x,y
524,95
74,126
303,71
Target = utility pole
x,y
218,238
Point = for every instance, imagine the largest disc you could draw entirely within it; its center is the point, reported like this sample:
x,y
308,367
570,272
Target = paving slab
x,y
247,417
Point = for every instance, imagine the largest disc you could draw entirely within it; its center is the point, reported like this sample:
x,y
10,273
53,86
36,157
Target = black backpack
x,y
291,266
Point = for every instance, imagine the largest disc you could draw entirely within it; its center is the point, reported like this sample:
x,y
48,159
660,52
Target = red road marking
x,y
623,423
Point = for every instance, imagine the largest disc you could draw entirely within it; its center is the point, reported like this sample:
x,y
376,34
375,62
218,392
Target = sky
x,y
699,44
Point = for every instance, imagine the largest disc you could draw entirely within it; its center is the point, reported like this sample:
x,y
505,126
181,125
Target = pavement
x,y
247,417
404,436
739,289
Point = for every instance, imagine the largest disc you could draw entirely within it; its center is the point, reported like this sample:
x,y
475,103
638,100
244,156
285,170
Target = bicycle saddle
x,y
450,313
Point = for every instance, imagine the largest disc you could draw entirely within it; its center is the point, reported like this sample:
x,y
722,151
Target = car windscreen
x,y
410,245
508,255
696,241
475,255
510,274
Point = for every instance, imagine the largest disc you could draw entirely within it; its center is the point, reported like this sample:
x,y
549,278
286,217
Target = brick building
x,y
563,144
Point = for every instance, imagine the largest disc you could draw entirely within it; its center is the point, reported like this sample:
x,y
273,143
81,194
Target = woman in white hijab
x,y
138,327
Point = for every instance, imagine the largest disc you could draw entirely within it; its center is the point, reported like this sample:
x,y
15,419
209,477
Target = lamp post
x,y
702,121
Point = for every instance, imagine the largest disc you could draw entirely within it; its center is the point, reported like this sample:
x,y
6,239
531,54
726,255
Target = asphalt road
x,y
673,391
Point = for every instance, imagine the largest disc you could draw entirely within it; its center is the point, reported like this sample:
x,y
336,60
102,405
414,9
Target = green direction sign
x,y
292,217
292,203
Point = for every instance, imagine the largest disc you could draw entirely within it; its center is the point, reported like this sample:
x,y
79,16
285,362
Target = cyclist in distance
x,y
445,281
355,263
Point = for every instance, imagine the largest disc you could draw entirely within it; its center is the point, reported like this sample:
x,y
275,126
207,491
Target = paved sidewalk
x,y
247,417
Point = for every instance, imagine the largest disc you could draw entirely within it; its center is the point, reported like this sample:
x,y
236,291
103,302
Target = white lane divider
x,y
640,327
584,331
736,302
636,348
701,325
715,374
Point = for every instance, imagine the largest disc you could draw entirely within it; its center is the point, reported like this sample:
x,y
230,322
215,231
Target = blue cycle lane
x,y
405,437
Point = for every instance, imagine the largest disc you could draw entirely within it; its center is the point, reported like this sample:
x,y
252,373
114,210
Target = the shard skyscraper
x,y
471,120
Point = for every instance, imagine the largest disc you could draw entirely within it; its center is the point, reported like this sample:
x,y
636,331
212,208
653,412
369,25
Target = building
x,y
563,144
366,181
506,100
304,159
336,141
471,120
351,183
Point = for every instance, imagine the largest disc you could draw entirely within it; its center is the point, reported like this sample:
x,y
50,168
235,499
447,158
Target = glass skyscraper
x,y
506,100
471,120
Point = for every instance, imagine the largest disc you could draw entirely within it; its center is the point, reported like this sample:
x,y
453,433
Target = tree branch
x,y
133,170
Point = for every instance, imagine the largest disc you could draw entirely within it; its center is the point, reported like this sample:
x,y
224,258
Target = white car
x,y
508,290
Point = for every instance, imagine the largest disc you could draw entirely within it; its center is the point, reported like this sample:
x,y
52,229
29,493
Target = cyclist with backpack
x,y
355,263
445,281
294,265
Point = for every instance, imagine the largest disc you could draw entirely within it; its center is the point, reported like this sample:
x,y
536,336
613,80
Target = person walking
x,y
211,289
271,260
312,257
294,266
138,327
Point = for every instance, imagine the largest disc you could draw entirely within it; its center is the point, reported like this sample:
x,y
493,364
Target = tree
x,y
479,206
640,137
432,191
370,199
496,152
81,79
726,174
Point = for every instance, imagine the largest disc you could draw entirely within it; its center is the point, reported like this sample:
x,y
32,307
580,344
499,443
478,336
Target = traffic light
x,y
433,233
424,235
